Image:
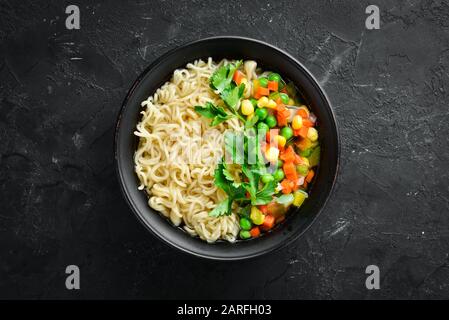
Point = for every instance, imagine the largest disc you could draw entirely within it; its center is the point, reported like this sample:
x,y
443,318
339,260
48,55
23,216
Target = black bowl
x,y
270,58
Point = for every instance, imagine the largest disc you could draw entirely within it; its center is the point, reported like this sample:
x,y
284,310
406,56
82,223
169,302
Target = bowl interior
x,y
270,58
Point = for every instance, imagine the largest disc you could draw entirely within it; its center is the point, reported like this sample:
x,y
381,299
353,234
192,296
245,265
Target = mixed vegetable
x,y
269,166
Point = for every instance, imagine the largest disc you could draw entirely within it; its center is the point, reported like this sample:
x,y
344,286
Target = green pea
x,y
302,169
263,82
254,102
267,178
278,175
280,163
287,132
262,113
274,77
244,234
271,121
262,126
284,98
306,153
245,224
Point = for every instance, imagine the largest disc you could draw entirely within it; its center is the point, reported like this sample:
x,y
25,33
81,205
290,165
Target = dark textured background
x,y
60,204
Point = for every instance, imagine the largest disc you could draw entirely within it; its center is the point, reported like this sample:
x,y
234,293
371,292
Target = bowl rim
x,y
118,169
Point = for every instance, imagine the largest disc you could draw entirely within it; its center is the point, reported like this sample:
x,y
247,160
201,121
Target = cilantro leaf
x,y
222,77
265,195
221,209
253,181
205,112
218,114
220,179
219,119
226,173
219,79
232,94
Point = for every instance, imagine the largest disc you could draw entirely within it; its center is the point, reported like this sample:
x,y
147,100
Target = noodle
x,y
177,154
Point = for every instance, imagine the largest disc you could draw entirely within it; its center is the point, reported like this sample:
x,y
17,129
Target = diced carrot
x,y
296,185
238,76
273,85
254,232
278,101
263,91
282,115
307,123
268,222
288,154
287,186
303,113
296,132
263,209
298,159
290,171
309,176
304,185
284,90
303,131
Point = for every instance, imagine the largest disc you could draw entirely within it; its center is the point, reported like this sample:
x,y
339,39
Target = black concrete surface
x,y
60,203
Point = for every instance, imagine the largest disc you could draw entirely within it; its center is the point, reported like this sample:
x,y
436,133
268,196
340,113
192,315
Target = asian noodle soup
x,y
225,149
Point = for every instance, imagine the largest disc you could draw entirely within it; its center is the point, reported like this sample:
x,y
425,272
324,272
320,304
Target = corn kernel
x,y
256,216
291,102
297,122
305,161
280,140
272,154
271,104
247,107
312,134
262,102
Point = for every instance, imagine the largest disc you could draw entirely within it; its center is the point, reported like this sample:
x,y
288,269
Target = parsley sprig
x,y
259,193
221,82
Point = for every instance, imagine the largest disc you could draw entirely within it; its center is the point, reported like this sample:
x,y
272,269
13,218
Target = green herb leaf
x,y
253,181
205,112
265,195
220,179
221,209
218,114
226,173
219,119
232,94
222,77
250,123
